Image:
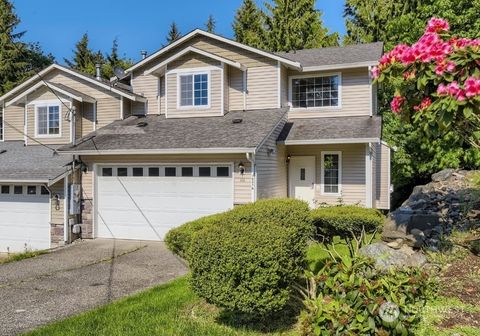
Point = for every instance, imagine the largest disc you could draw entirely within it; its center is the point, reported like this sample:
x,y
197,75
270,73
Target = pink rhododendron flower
x,y
397,104
472,87
375,72
426,102
408,75
442,67
453,88
460,96
442,90
436,25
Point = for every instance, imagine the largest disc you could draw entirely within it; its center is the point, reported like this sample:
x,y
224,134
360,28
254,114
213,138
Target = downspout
x,y
251,159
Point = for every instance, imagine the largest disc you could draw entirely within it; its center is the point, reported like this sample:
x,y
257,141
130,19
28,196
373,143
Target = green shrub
x,y
248,261
178,240
344,221
346,295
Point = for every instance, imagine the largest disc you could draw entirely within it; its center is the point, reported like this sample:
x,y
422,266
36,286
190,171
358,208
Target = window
x,y
153,171
48,120
204,171
187,171
31,190
122,171
137,171
331,172
170,171
302,174
18,190
223,171
194,90
107,172
311,92
5,189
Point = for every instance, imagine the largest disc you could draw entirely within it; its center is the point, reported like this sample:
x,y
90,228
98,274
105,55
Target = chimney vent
x,y
98,72
144,54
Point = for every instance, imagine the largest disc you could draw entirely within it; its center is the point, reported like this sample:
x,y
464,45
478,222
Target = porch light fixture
x,y
288,158
241,168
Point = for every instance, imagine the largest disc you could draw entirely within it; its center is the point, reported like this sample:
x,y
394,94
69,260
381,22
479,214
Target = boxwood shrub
x,y
248,260
344,221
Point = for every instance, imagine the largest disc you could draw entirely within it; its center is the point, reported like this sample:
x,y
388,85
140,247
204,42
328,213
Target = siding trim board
x,y
330,141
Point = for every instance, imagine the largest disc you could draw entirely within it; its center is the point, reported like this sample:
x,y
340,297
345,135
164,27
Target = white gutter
x,y
330,141
163,151
24,181
339,66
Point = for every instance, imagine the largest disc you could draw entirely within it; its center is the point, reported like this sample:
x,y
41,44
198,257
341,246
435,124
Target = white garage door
x,y
24,218
146,202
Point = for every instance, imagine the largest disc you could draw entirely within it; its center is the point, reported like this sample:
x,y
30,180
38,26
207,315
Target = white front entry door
x,y
24,218
146,202
302,178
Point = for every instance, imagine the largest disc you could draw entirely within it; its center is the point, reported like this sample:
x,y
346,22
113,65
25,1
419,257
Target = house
x,y
200,126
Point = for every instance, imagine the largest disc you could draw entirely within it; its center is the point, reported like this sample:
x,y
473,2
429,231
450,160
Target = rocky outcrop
x,y
433,211
386,257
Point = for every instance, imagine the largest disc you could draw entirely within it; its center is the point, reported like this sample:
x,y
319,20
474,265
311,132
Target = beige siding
x,y
147,86
226,93
14,116
353,171
215,108
262,87
108,110
57,218
192,60
235,89
126,108
88,118
138,108
284,86
382,165
355,96
242,183
271,167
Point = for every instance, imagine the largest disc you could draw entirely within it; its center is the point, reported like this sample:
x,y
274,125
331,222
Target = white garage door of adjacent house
x,y
24,218
145,202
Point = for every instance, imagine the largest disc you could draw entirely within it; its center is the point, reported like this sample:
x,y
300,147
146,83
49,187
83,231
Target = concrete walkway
x,y
70,280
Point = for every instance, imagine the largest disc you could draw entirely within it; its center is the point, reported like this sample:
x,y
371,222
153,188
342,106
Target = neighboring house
x,y
196,128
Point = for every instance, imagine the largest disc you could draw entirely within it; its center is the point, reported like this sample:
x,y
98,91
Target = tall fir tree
x,y
295,25
114,60
174,33
249,25
18,60
211,24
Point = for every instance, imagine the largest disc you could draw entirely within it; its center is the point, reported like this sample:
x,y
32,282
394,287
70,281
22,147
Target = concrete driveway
x,y
70,280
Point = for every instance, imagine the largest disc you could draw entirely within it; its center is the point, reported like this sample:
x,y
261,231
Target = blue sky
x,y
138,24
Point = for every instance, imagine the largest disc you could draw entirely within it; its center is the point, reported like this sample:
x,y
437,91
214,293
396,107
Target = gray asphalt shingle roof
x,y
368,52
184,133
332,128
30,163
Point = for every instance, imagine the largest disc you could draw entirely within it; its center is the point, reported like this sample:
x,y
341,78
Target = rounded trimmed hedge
x,y
247,261
344,221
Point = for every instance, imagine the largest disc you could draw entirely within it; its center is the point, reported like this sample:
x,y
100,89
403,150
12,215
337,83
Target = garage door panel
x,y
24,222
148,207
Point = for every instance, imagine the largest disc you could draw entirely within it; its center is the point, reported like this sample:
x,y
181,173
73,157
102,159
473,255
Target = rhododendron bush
x,y
436,82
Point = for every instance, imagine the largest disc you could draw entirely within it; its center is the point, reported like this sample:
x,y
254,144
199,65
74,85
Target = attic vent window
x,y
237,121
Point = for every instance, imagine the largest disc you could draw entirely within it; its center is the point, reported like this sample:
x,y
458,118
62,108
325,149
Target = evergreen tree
x,y
174,33
248,25
114,60
211,24
295,25
84,58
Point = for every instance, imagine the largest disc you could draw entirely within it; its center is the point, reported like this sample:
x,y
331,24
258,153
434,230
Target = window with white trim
x,y
48,119
194,90
319,91
331,172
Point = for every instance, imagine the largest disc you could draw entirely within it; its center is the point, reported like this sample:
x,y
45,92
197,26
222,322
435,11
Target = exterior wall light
x,y
241,168
288,158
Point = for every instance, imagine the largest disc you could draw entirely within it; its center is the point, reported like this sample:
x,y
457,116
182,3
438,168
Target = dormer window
x,y
47,117
194,90
315,91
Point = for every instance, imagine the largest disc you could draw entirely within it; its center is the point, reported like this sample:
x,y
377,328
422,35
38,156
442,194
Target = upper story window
x,y
194,90
316,92
48,119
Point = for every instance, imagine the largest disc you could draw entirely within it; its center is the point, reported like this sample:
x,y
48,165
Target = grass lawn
x,y
171,309
20,256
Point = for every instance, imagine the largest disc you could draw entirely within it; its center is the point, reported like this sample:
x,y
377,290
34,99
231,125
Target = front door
x,y
302,178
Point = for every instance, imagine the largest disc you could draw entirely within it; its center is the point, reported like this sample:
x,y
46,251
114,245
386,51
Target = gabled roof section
x,y
197,32
191,49
329,58
57,87
105,85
